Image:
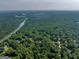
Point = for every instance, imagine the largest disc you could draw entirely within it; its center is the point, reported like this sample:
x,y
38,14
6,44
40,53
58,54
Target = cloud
x,y
39,4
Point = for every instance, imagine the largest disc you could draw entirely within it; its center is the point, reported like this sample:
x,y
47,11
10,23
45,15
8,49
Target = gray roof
x,y
5,57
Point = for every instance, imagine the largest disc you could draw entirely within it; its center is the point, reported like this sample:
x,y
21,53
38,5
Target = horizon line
x,y
39,10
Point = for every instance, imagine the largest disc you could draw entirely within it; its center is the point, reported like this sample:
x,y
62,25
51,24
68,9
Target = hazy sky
x,y
39,4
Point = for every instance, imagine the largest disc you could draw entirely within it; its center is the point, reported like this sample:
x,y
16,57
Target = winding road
x,y
17,29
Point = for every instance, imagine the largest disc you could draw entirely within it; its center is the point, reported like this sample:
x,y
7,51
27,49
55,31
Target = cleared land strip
x,y
17,29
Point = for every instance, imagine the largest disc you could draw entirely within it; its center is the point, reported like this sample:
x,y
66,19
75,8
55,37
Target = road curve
x,y
17,29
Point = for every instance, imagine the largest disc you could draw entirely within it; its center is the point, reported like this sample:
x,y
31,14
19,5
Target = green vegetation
x,y
46,35
8,23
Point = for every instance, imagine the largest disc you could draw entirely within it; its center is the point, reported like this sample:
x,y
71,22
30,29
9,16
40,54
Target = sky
x,y
39,4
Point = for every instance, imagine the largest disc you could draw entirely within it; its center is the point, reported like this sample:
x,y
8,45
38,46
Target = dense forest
x,y
45,35
8,22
